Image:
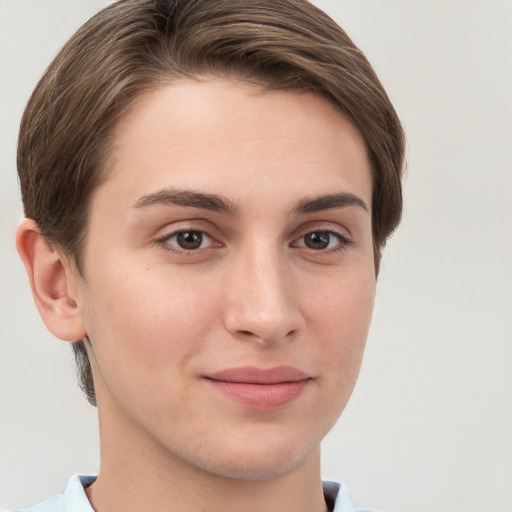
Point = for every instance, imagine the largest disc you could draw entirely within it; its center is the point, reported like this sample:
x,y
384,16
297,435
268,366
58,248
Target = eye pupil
x,y
317,240
189,239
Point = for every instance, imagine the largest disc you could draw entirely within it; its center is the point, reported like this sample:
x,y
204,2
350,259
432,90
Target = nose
x,y
262,300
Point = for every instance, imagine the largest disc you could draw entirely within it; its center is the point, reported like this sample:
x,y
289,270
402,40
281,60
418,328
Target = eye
x,y
322,240
187,240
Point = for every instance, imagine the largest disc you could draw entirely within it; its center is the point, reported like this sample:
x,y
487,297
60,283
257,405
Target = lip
x,y
259,388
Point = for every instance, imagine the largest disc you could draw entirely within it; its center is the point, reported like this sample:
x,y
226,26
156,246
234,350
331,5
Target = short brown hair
x,y
133,46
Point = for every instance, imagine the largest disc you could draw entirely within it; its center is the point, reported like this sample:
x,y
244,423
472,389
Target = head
x,y
134,48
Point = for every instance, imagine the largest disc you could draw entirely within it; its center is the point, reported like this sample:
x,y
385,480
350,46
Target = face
x,y
228,277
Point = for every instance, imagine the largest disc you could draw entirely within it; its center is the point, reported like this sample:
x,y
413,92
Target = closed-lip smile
x,y
260,388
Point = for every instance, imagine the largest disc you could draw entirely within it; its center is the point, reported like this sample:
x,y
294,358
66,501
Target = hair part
x,y
134,46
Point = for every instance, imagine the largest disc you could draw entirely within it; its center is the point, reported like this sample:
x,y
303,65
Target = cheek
x,y
339,316
145,321
342,304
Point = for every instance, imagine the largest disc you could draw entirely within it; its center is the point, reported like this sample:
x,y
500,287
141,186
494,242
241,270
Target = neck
x,y
128,485
138,474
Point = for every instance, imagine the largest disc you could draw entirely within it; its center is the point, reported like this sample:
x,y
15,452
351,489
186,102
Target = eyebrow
x,y
328,202
216,203
173,197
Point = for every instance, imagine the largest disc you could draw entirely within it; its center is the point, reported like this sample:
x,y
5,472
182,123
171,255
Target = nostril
x,y
250,334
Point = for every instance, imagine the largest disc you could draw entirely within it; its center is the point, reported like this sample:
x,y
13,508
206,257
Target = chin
x,y
257,460
254,470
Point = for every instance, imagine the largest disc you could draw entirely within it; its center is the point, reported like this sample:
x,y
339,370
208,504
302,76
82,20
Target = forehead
x,y
214,132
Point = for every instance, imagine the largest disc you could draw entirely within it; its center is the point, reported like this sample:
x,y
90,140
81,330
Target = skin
x,y
259,290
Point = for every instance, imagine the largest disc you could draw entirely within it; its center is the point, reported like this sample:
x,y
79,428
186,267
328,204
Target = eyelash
x,y
164,241
343,241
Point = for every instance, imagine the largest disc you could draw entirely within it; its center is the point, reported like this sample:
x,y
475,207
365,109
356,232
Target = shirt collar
x,y
75,499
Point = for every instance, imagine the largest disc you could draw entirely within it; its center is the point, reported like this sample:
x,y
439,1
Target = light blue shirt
x,y
74,498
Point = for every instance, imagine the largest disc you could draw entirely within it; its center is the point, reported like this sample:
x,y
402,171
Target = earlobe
x,y
50,279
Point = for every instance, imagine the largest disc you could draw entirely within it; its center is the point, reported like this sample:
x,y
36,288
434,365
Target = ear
x,y
53,283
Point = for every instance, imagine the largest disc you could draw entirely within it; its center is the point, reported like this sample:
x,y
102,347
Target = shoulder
x,y
53,504
73,499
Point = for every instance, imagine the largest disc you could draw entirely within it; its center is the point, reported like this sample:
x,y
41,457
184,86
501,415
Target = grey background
x,y
429,425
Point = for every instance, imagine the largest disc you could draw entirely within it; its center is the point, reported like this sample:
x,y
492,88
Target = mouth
x,y
260,389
